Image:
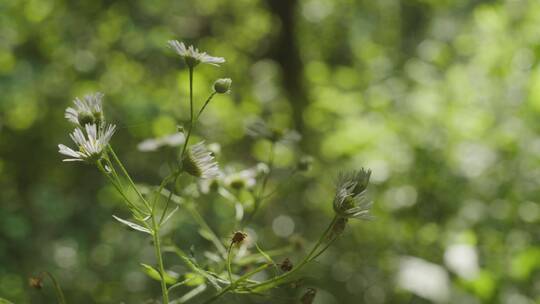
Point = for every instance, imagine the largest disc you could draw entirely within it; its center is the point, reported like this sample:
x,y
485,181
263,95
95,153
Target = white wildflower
x,y
200,162
193,56
88,110
90,145
350,200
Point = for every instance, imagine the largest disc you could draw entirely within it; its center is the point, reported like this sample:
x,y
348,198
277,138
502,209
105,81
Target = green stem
x,y
57,288
157,247
168,199
234,284
205,104
201,222
259,197
229,271
117,160
190,111
118,187
277,280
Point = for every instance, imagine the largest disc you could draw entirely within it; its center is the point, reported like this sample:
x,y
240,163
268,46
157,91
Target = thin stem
x,y
259,197
168,199
57,288
200,220
229,271
205,104
115,157
157,247
307,258
234,284
322,238
190,111
118,187
278,187
322,250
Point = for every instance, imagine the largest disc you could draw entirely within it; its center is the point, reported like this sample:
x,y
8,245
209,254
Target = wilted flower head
x,y
200,162
286,265
91,145
350,200
238,237
193,56
36,282
88,110
260,129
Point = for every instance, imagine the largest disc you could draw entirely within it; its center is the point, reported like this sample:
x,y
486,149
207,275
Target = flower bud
x,y
286,265
222,85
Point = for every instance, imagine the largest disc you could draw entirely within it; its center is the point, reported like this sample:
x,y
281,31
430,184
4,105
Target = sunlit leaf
x,y
154,274
132,225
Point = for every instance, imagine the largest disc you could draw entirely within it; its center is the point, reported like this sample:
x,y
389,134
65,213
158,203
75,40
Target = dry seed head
x,y
238,237
286,265
35,282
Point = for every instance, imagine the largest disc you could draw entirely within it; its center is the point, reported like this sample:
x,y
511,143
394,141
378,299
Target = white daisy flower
x,y
245,179
350,200
91,145
193,56
200,162
153,144
88,110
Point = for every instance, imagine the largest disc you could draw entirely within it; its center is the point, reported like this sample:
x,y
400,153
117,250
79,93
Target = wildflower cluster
x,y
92,134
245,188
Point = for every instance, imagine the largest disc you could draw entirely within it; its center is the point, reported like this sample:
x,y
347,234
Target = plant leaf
x,y
192,293
154,274
132,225
170,215
265,255
4,301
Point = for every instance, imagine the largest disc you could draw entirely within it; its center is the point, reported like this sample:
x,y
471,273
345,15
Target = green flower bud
x,y
222,85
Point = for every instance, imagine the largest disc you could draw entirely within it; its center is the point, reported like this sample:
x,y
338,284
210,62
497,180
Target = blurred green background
x,y
440,98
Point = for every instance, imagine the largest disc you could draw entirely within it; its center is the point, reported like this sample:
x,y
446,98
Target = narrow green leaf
x,y
132,225
154,274
265,255
4,301
170,215
206,234
192,293
174,198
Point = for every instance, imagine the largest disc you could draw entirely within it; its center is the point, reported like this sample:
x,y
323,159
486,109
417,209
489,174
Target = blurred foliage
x,y
439,98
